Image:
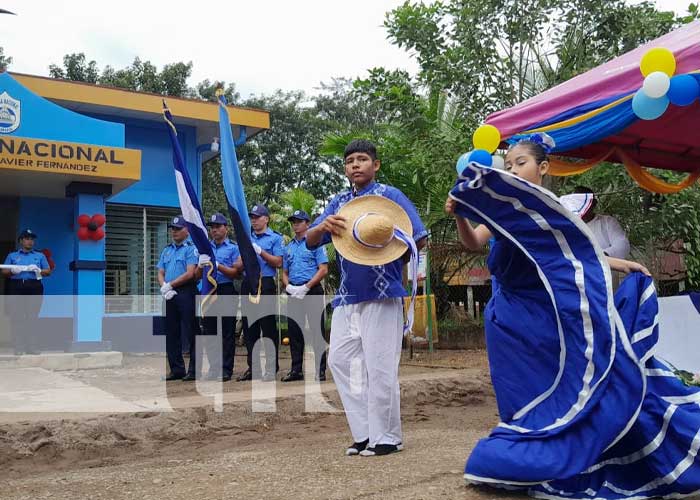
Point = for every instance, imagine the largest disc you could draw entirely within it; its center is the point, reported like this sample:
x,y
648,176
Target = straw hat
x,y
369,235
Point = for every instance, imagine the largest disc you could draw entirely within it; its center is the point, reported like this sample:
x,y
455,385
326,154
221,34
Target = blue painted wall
x,y
157,184
52,220
42,119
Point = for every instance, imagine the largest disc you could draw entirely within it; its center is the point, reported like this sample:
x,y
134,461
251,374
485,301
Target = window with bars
x,y
135,238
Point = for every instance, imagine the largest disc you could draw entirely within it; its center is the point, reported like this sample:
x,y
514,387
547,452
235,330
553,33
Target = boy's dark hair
x,y
361,146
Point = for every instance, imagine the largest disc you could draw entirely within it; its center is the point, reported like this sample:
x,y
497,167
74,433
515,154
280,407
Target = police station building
x,y
71,153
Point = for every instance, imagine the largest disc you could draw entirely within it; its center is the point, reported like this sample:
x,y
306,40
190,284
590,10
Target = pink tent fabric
x,y
671,141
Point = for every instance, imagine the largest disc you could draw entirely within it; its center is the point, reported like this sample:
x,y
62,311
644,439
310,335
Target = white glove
x,y
204,259
169,295
17,269
165,289
257,248
33,268
298,292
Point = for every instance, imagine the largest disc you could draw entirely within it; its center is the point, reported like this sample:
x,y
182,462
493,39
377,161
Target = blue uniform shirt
x,y
175,258
22,258
302,263
360,283
271,242
226,254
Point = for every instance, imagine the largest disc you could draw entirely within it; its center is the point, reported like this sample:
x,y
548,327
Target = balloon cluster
x,y
90,228
486,140
660,87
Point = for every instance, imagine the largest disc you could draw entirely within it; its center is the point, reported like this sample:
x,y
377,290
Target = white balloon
x,y
498,162
656,84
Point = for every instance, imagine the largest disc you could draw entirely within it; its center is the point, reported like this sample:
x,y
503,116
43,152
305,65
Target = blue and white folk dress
x,y
586,410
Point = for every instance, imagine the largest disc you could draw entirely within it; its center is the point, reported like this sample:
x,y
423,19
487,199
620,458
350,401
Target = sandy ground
x,y
197,452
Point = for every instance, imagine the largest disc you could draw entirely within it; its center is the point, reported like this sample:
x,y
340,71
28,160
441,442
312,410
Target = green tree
x,y
5,61
143,76
491,54
76,67
206,89
476,57
287,155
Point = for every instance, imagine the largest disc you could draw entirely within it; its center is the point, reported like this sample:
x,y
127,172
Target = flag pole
x,y
429,302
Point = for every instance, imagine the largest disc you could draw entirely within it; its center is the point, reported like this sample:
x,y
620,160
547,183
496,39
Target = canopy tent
x,y
591,117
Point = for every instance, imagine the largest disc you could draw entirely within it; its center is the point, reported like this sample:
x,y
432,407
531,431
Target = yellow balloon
x,y
658,59
487,137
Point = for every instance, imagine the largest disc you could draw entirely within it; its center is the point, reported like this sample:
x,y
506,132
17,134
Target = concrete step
x,y
60,361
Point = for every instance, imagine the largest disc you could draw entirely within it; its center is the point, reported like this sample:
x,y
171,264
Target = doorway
x,y
9,216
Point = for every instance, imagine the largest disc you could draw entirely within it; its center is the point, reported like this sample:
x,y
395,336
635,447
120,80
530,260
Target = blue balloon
x,y
482,157
684,90
647,108
462,163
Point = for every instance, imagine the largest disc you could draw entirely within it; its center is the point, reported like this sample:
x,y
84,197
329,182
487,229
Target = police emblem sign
x,y
9,113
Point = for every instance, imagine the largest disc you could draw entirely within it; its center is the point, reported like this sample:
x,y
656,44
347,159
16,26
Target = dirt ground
x,y
196,452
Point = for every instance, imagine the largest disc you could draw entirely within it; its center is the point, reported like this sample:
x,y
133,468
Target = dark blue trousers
x,y
221,350
180,322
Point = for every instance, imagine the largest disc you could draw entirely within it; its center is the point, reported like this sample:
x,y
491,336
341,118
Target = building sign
x,y
10,115
36,155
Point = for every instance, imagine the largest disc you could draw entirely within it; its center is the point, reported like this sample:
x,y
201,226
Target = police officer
x,y
269,247
229,267
176,276
25,291
303,271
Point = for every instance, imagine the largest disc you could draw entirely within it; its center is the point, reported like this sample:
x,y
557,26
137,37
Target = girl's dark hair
x,y
361,146
535,149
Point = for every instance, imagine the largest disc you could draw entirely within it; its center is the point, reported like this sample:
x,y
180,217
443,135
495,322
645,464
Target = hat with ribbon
x,y
374,228
378,231
578,203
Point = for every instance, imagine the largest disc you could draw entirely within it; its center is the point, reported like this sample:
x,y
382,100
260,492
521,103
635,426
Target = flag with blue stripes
x,y
192,213
235,197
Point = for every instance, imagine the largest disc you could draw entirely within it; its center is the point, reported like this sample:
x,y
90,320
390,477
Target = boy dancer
x,y
367,325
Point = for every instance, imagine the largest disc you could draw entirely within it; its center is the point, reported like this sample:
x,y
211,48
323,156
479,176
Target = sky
x,y
260,45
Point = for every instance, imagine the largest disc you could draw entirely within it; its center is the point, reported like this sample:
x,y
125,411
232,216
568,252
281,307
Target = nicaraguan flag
x,y
192,211
237,207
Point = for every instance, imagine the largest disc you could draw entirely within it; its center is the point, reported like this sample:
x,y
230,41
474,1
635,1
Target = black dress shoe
x,y
245,376
172,376
292,376
225,378
189,378
321,377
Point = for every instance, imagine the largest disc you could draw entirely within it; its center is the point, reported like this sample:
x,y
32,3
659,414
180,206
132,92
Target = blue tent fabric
x,y
594,129
586,410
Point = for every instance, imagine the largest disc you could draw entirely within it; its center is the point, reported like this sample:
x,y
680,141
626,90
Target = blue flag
x,y
235,197
192,212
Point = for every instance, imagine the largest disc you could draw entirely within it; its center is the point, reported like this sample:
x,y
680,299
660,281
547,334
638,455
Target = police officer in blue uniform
x,y
269,247
176,276
303,271
228,268
25,291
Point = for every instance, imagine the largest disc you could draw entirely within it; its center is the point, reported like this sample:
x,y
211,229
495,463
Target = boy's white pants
x,y
365,351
